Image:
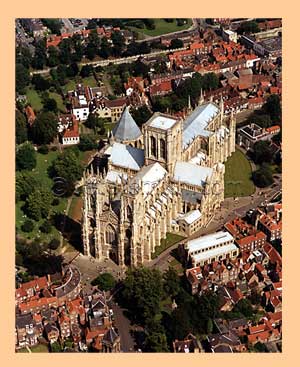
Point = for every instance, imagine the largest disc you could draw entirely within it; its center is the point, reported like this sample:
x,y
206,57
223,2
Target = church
x,y
145,182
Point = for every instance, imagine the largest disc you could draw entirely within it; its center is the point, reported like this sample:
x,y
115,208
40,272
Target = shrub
x,y
54,244
55,202
43,149
46,227
27,226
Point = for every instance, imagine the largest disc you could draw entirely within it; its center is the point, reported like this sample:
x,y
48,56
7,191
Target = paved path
x,y
123,325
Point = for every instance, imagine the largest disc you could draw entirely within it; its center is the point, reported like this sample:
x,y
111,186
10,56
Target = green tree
x,y
53,24
176,43
140,69
26,183
95,122
143,289
261,120
50,104
209,326
65,51
263,176
156,342
40,55
21,128
25,157
68,166
86,71
273,108
38,203
171,282
22,78
244,306
40,83
141,114
262,152
44,129
248,27
87,142
53,56
46,227
105,282
27,226
23,56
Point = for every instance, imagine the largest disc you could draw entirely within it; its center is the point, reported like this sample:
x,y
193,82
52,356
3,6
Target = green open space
x,y
238,174
162,27
40,348
88,81
59,101
34,99
165,243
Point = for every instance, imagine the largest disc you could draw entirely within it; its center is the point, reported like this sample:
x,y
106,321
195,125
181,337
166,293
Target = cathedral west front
x,y
144,183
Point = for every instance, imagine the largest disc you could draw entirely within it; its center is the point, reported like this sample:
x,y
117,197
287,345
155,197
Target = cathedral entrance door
x,y
127,245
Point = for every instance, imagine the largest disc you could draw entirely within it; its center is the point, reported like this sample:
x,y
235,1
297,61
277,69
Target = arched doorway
x,y
112,240
92,237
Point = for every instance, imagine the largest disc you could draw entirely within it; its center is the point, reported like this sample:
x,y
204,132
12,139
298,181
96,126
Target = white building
x,y
229,36
213,247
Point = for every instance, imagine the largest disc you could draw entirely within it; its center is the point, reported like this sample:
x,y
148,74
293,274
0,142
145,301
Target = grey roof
x,y
191,196
196,123
126,129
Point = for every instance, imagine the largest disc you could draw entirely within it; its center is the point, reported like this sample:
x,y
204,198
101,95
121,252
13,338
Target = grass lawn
x,y
238,176
40,348
169,241
59,101
34,99
162,27
88,81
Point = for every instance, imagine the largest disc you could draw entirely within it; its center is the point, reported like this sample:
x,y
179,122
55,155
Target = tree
x,y
25,157
156,341
23,56
40,55
262,120
72,70
38,203
50,104
210,81
94,121
209,326
87,142
142,293
140,69
40,83
53,24
160,67
27,226
65,51
141,114
26,183
43,149
21,128
92,24
263,176
22,78
105,282
44,129
171,282
262,152
46,227
67,166
248,27
86,71
244,306
273,108
176,43
105,49
53,56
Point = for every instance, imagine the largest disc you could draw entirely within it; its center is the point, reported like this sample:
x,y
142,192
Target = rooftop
x,y
126,156
209,240
192,174
126,129
191,216
197,122
162,122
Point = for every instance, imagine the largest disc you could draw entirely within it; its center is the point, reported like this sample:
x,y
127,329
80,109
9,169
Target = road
x,y
123,325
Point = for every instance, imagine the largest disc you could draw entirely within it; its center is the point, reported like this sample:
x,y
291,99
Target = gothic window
x,y
110,235
129,213
153,146
162,149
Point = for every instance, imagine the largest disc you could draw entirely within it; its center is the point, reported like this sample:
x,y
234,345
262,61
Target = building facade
x,y
140,185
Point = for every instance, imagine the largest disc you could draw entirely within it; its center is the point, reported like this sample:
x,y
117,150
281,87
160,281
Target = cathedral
x,y
143,181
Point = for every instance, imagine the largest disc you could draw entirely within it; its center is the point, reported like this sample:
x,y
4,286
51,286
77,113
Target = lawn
x,y
43,162
59,101
238,176
162,27
40,348
88,81
169,241
34,99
